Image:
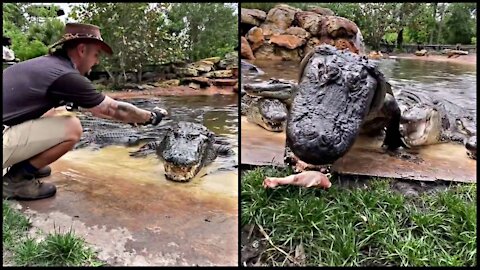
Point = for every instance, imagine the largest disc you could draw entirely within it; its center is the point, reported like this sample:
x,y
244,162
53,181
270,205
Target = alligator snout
x,y
180,158
471,146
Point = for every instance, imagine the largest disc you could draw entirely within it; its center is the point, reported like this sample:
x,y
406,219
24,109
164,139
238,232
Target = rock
x,y
309,21
168,83
322,11
201,81
224,82
311,43
287,41
252,16
194,85
245,49
230,61
375,55
202,65
266,51
450,52
144,87
219,74
338,27
288,54
190,72
343,44
235,87
298,31
421,53
281,16
270,29
255,36
214,59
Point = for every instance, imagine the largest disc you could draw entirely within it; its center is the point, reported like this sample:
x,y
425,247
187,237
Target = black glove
x,y
156,116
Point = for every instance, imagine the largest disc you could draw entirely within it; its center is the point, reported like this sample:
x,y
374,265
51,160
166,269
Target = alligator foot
x,y
392,143
304,179
393,137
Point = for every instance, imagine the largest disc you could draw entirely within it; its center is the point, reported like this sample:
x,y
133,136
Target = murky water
x,y
455,82
217,113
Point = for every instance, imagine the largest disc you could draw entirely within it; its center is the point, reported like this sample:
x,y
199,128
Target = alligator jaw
x,y
423,129
180,173
272,126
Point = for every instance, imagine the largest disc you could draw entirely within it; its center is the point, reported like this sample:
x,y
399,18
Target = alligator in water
x,y
437,121
339,95
266,103
185,149
99,133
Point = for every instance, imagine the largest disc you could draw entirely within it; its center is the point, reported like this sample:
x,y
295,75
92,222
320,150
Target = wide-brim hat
x,y
83,31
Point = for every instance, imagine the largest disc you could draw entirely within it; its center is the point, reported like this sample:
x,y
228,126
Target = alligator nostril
x,y
322,139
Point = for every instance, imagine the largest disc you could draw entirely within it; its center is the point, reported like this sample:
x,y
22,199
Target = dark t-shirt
x,y
33,87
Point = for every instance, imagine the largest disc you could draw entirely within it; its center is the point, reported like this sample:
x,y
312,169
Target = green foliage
x,y
211,28
135,31
474,40
32,28
390,37
460,28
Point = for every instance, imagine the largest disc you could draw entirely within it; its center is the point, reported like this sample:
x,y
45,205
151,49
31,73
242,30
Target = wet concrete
x,y
128,212
135,216
436,162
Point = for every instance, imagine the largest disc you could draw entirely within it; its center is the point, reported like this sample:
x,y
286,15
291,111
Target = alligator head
x,y
273,88
336,91
468,126
422,124
271,114
185,149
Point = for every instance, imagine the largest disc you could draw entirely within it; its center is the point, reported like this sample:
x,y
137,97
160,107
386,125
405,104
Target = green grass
x,y
362,226
56,249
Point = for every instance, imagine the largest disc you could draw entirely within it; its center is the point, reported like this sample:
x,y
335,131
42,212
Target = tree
x,y
211,28
135,31
31,28
460,23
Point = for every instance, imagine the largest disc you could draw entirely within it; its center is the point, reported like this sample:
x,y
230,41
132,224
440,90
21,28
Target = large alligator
x,y
339,95
185,149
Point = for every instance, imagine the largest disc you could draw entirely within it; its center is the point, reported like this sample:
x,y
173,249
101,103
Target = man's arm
x,y
121,111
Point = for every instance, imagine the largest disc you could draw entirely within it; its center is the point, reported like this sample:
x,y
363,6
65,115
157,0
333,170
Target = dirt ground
x,y
470,59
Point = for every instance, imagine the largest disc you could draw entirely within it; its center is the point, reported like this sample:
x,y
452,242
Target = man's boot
x,y
18,184
43,172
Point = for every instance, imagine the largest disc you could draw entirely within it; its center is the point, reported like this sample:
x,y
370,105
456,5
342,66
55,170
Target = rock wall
x,y
198,75
288,33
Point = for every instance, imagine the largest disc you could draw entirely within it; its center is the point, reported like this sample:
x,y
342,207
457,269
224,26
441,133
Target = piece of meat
x,y
304,179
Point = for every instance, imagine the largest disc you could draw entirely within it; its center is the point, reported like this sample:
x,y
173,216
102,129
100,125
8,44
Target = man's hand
x,y
157,116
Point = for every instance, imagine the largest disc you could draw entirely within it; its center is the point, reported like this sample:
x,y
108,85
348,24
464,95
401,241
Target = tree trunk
x,y
139,75
435,20
440,25
400,39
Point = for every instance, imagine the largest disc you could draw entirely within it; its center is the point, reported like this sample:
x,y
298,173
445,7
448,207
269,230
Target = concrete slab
x,y
436,162
126,209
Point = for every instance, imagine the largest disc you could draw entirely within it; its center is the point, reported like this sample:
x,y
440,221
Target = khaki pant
x,y
30,138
